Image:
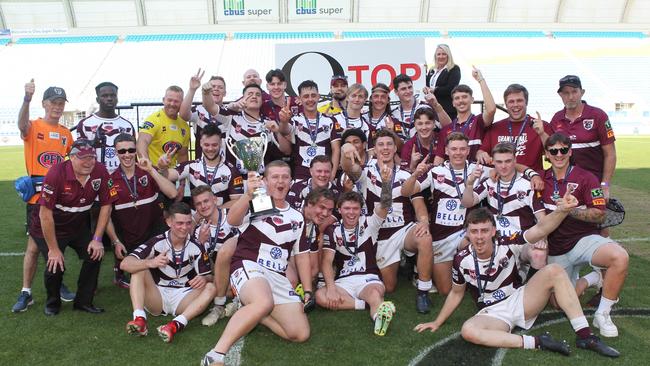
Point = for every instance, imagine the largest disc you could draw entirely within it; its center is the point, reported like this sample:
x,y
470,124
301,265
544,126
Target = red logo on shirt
x,y
49,158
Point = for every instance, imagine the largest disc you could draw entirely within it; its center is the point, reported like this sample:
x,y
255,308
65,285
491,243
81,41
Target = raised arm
x,y
470,199
186,106
489,106
23,115
239,209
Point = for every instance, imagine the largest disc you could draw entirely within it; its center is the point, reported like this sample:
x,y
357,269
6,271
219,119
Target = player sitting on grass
x,y
351,247
169,275
490,267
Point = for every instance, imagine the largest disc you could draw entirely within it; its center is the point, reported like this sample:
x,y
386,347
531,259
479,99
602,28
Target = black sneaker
x,y
422,302
594,343
547,343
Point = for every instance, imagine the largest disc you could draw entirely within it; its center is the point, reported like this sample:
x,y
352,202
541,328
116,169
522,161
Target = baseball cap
x,y
54,92
354,132
570,80
82,148
336,78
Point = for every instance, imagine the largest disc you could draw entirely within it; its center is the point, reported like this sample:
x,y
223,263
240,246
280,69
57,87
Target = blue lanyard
x,y
500,199
419,145
213,239
210,182
351,245
133,191
453,178
466,125
313,132
521,130
482,288
556,185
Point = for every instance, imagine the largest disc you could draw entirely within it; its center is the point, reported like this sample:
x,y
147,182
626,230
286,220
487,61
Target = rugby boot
x,y
547,343
384,315
594,343
137,326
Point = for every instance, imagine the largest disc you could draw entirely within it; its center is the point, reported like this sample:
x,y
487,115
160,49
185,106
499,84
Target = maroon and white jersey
x,y
242,127
498,280
224,179
447,191
300,189
312,234
586,189
201,118
271,111
473,128
344,122
270,241
311,137
513,204
182,266
405,117
401,212
424,150
355,253
588,133
529,146
103,131
70,201
220,231
136,212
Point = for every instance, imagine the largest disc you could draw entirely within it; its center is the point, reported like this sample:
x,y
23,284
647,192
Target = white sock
x,y
579,323
181,319
220,300
215,356
27,289
374,316
529,341
605,305
359,304
425,285
139,312
592,278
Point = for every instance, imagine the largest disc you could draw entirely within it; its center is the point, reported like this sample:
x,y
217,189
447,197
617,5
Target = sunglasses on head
x,y
563,150
124,151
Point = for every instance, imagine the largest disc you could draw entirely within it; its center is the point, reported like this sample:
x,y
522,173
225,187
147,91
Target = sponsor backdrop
x,y
233,11
319,10
367,62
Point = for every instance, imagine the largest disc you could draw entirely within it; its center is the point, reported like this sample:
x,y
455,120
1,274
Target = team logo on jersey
x,y
491,191
499,294
196,174
326,128
373,179
294,225
471,273
572,187
521,195
440,178
277,220
238,128
225,178
588,124
144,180
339,241
451,205
64,141
96,183
276,252
504,222
171,145
109,152
147,125
48,158
504,262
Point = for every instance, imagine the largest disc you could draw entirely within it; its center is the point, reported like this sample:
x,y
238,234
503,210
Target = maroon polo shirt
x,y
70,201
588,133
529,146
135,216
407,149
586,189
473,128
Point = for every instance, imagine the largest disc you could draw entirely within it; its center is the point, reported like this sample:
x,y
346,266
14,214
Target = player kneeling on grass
x,y
351,247
169,275
259,264
490,267
219,241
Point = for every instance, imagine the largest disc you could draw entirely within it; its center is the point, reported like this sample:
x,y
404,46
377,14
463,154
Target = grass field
x,y
338,338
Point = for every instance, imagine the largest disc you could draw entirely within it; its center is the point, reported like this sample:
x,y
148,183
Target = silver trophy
x,y
251,152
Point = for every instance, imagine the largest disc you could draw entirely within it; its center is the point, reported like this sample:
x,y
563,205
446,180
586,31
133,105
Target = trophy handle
x,y
231,146
266,144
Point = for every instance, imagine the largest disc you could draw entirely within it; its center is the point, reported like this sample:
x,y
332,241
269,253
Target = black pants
x,y
88,275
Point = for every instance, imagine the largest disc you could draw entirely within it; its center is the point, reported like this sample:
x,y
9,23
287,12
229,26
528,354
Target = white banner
x,y
367,62
262,11
319,10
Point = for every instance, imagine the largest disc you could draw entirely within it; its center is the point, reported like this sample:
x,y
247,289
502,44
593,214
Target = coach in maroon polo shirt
x,y
62,220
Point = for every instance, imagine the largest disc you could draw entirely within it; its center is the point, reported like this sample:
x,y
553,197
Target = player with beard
x,y
338,92
400,230
136,215
311,133
211,170
409,104
320,173
258,267
103,126
526,132
219,241
379,110
445,184
473,126
577,242
488,268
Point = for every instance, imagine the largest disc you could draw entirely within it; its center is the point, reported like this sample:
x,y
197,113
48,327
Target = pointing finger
x,y
538,116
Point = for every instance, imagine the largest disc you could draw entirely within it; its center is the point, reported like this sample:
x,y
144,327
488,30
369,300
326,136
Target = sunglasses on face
x,y
563,150
124,151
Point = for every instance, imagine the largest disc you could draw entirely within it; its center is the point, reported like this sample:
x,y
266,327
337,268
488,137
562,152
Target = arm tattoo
x,y
592,215
386,197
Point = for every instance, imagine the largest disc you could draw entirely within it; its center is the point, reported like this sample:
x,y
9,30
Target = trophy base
x,y
262,205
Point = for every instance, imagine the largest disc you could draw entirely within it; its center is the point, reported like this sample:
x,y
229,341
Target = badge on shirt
x,y
144,181
96,183
54,135
588,124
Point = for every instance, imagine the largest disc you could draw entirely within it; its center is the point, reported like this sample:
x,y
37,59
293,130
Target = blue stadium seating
x,y
70,39
391,34
282,35
598,34
175,37
4,41
497,34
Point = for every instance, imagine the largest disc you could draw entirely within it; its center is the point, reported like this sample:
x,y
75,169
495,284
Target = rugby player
x,y
276,84
170,275
210,111
136,215
423,143
489,269
258,266
400,230
577,241
320,171
350,116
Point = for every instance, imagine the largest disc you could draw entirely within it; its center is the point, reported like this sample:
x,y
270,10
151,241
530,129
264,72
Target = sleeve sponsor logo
x,y
597,193
113,192
147,125
608,125
610,134
48,189
598,201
